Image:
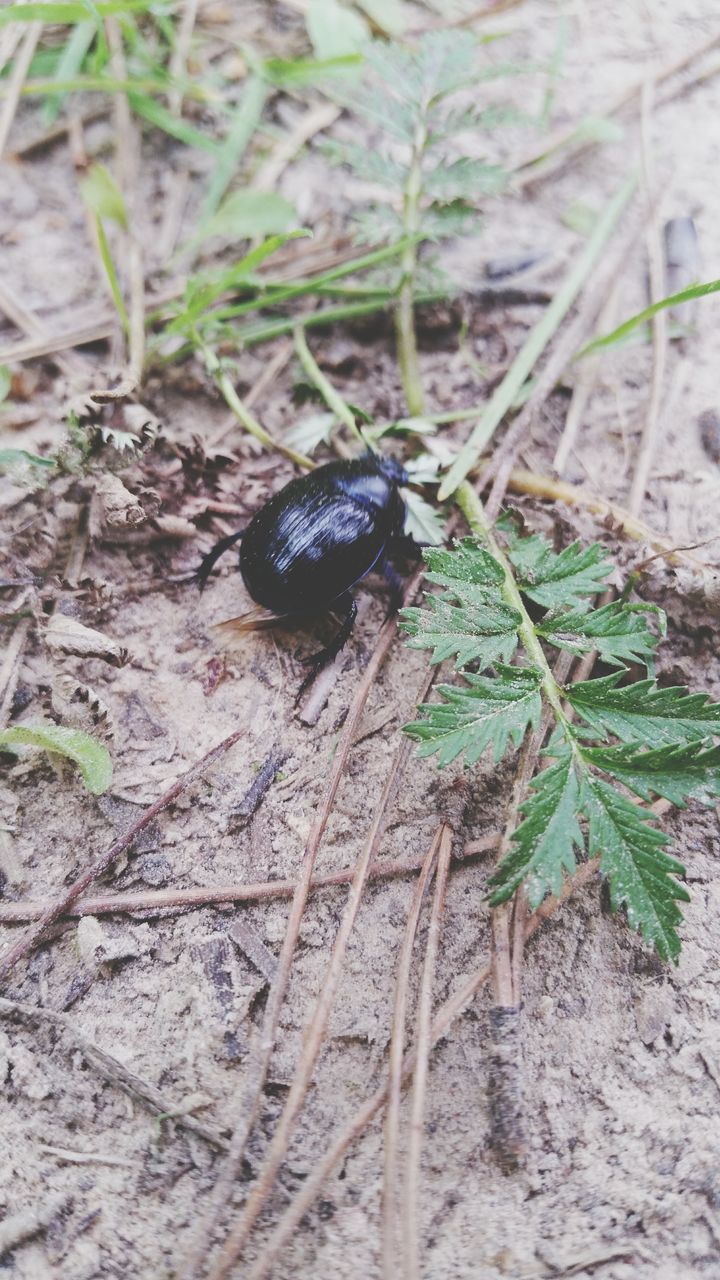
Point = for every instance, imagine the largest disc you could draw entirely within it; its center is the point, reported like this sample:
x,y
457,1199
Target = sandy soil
x,y
620,1178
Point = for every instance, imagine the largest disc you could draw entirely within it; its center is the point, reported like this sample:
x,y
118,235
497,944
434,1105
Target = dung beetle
x,y
311,542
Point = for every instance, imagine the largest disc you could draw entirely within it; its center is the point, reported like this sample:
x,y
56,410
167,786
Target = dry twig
x,y
422,1049
391,1220
16,80
649,438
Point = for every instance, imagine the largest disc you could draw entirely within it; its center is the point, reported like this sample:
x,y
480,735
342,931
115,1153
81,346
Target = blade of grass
x,y
332,398
673,300
538,339
69,64
242,127
111,273
155,113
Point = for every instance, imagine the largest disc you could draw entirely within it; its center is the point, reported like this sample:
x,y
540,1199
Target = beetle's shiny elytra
x,y
311,542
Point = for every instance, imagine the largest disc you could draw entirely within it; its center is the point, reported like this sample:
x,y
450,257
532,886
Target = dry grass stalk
x,y
422,1048
21,66
391,1219
651,425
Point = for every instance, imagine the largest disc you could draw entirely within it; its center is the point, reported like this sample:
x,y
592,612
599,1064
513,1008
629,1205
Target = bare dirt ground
x,y
620,1177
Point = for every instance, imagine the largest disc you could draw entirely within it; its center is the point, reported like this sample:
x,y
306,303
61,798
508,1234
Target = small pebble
x,y
709,424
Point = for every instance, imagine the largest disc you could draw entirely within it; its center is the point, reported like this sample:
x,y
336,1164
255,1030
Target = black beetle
x,y
311,542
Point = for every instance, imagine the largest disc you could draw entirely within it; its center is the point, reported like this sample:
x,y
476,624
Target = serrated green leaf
x,y
473,632
641,874
244,214
368,164
543,846
618,631
462,179
443,221
563,579
487,712
466,565
101,193
423,522
91,757
642,712
676,772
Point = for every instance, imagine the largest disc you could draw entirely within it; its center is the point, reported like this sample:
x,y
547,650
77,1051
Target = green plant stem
x,y
251,424
332,398
273,292
537,341
474,512
265,331
111,273
404,313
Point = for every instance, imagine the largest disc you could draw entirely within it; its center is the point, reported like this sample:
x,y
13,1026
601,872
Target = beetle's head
x,y
392,469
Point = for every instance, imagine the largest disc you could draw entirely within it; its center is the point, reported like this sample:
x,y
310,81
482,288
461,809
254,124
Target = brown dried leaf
x,y
65,635
120,507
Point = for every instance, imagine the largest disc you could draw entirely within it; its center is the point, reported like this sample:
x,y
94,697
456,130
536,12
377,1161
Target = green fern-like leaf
x,y
634,735
618,631
543,847
642,712
677,772
484,633
486,712
565,579
640,872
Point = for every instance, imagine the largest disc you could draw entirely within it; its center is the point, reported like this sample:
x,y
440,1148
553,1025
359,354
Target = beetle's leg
x,y
319,660
202,573
405,545
395,583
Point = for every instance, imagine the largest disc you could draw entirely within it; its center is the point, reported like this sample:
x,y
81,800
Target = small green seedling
x,y
629,737
91,757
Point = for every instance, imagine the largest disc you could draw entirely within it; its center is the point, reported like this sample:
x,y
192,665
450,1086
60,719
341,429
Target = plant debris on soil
x,y
153,394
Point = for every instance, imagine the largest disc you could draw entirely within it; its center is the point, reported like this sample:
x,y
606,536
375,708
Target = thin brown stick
x,y
565,347
584,387
390,1203
522,481
259,1060
311,122
443,1020
60,906
650,432
422,1049
21,65
29,324
114,1071
315,1031
25,909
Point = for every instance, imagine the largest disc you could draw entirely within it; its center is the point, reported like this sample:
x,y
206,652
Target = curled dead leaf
x,y
66,636
120,507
